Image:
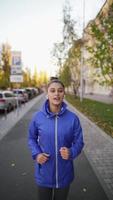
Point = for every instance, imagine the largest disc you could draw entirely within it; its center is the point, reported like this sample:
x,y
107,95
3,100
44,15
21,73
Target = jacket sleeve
x,y
33,139
78,142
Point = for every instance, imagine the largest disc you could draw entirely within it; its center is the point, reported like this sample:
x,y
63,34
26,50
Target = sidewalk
x,y
99,151
101,98
98,145
7,122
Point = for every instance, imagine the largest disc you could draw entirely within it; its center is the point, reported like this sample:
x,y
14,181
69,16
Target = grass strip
x,y
100,113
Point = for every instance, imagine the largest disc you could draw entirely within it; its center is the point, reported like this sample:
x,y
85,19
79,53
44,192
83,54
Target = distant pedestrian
x,y
55,139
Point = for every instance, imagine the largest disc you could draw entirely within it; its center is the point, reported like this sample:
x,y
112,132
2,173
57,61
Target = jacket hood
x,y
46,110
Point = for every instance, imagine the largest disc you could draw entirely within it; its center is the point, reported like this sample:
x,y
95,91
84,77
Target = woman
x,y
55,139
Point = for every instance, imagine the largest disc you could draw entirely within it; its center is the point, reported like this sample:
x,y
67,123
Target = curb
x,y
12,118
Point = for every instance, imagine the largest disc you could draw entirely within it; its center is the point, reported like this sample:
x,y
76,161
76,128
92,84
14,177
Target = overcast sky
x,y
33,26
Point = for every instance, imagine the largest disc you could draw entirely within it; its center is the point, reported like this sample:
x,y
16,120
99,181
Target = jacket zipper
x,y
56,150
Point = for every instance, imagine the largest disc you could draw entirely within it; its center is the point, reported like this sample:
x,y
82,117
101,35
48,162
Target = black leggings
x,y
52,194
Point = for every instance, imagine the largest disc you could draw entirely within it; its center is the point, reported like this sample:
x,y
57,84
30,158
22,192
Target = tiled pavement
x,y
102,98
99,151
98,146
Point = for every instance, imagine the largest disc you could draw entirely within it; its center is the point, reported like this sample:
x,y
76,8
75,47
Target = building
x,y
90,72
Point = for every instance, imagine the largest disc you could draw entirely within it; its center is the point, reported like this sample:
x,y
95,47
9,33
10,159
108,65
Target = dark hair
x,y
53,77
55,81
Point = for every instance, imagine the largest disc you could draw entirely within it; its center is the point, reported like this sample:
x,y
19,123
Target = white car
x,y
21,94
7,100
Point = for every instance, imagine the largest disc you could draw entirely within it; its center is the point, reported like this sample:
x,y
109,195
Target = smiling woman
x,y
55,95
55,139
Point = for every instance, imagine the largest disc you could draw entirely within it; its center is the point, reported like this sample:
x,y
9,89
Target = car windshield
x,y
1,96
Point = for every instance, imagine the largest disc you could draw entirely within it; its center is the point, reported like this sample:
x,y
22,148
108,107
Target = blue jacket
x,y
49,132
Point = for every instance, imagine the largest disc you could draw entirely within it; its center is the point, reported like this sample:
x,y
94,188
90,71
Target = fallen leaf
x,y
12,164
24,174
84,189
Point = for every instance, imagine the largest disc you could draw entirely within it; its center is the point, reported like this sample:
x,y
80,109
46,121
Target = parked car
x,y
30,92
21,94
7,100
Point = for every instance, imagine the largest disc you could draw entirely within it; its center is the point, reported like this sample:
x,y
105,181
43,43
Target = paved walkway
x,y
7,122
102,98
98,146
99,151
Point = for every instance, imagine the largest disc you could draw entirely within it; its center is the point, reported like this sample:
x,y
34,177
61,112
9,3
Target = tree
x,y
102,51
58,54
43,78
65,75
35,77
60,50
6,63
74,57
1,79
27,77
69,33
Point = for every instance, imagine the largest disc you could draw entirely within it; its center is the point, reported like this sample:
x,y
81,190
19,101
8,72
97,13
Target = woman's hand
x,y
64,151
42,158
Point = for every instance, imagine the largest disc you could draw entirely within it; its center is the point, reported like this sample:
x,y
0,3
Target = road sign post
x,y
16,75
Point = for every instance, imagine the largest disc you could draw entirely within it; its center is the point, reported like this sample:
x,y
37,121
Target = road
x,y
17,168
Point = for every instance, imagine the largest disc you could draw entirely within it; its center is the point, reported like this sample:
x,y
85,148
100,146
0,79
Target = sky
x,y
33,26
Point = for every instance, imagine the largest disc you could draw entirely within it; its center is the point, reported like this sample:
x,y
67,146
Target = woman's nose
x,y
56,92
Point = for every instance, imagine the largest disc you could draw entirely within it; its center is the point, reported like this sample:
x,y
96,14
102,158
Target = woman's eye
x,y
52,90
60,91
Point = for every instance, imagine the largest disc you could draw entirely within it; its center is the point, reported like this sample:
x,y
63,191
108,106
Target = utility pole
x,y
82,54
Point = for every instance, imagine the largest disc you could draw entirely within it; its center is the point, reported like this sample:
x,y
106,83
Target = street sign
x,y
16,70
16,58
16,78
16,67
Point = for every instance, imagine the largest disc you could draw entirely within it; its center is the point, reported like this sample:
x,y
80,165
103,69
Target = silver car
x,y
7,100
21,94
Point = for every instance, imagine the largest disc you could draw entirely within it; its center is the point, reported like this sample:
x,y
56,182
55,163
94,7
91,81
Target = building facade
x,y
90,77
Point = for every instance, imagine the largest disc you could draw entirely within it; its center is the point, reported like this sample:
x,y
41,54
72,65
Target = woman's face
x,y
55,93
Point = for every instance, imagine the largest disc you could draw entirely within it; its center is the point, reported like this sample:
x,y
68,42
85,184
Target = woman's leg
x,y
44,193
61,193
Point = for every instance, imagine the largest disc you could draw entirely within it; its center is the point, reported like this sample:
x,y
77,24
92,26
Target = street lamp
x,y
82,54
